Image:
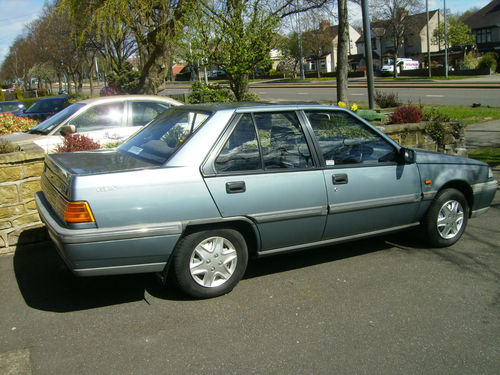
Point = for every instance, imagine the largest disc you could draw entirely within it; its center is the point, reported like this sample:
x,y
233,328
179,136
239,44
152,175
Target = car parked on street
x,y
45,107
105,120
202,188
14,107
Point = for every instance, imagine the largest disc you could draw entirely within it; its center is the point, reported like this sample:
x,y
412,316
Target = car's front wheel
x,y
209,263
446,219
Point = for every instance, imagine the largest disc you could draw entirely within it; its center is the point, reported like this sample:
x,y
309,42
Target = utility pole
x,y
428,40
368,53
445,43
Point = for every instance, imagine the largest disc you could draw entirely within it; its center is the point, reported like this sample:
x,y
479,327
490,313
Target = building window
x,y
483,36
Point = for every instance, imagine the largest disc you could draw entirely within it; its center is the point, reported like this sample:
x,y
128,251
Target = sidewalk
x,y
486,134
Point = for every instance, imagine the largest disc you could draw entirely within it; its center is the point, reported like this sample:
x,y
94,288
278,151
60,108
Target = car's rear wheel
x,y
446,219
209,263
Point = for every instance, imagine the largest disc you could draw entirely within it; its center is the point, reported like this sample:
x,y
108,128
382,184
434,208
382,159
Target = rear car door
x,y
263,169
368,190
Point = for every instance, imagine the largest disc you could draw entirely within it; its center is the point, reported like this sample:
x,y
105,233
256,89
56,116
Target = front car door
x,y
264,170
369,191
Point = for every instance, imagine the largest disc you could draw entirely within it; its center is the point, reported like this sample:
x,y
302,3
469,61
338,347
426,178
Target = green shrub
x,y
126,79
202,93
435,114
388,100
250,97
13,124
19,93
2,96
489,60
470,61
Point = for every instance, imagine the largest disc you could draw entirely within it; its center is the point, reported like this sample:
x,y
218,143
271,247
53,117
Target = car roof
x,y
256,106
118,98
54,98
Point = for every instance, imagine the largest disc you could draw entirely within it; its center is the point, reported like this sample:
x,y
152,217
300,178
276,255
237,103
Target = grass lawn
x,y
490,155
467,114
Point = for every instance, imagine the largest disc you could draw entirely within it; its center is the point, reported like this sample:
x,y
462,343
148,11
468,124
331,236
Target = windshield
x,y
162,137
45,127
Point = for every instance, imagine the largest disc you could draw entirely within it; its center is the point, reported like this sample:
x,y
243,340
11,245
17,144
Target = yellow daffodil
x,y
341,104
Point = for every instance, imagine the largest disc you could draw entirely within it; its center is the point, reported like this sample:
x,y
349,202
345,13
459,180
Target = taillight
x,y
78,212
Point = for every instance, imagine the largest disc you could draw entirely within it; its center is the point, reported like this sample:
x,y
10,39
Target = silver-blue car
x,y
202,188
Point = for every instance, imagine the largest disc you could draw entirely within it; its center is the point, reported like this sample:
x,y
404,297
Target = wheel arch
x,y
243,225
462,187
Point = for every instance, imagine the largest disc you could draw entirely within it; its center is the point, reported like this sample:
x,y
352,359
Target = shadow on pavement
x,y
46,284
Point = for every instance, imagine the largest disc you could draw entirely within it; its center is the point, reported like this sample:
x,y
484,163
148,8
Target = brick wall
x,y
19,181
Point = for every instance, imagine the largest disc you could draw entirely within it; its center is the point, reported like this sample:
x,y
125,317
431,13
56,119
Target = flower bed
x,y
13,124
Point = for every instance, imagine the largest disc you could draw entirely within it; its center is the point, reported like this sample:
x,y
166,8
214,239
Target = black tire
x,y
446,219
213,269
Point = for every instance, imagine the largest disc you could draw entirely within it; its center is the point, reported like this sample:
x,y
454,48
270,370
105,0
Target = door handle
x,y
234,187
340,179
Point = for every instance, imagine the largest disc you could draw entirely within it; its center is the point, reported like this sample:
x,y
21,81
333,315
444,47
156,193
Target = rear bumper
x,y
110,251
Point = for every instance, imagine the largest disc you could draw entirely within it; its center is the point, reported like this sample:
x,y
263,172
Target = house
x,y
415,37
323,47
485,25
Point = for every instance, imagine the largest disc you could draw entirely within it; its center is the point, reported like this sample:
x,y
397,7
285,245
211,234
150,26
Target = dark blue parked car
x,y
13,107
45,107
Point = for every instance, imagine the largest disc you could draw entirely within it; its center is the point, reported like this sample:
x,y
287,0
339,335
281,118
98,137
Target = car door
x,y
369,191
263,169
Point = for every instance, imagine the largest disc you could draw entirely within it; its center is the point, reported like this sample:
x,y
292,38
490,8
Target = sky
x,y
15,14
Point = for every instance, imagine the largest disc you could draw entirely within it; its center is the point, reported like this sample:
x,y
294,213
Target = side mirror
x,y
407,156
68,129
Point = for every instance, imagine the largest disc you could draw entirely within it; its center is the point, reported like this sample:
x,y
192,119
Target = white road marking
x,y
357,94
302,93
435,96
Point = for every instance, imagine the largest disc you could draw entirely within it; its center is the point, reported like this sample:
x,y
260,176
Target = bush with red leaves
x,y
405,115
77,142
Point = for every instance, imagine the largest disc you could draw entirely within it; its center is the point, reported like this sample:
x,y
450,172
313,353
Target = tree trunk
x,y
239,86
342,52
317,67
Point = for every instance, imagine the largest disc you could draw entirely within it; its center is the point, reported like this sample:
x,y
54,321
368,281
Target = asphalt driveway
x,y
382,306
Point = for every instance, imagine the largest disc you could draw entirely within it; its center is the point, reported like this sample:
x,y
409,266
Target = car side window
x,y
282,140
144,112
241,152
344,139
100,117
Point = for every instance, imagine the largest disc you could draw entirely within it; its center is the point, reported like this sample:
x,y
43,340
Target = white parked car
x,y
105,120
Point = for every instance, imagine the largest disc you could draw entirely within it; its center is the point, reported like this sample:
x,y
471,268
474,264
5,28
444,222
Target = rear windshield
x,y
47,105
166,134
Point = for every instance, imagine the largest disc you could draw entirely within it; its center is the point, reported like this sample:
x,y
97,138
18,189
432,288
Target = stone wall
x,y
414,135
19,181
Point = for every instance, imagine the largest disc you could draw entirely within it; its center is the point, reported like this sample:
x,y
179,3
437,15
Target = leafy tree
x,y
458,33
394,13
237,35
156,26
